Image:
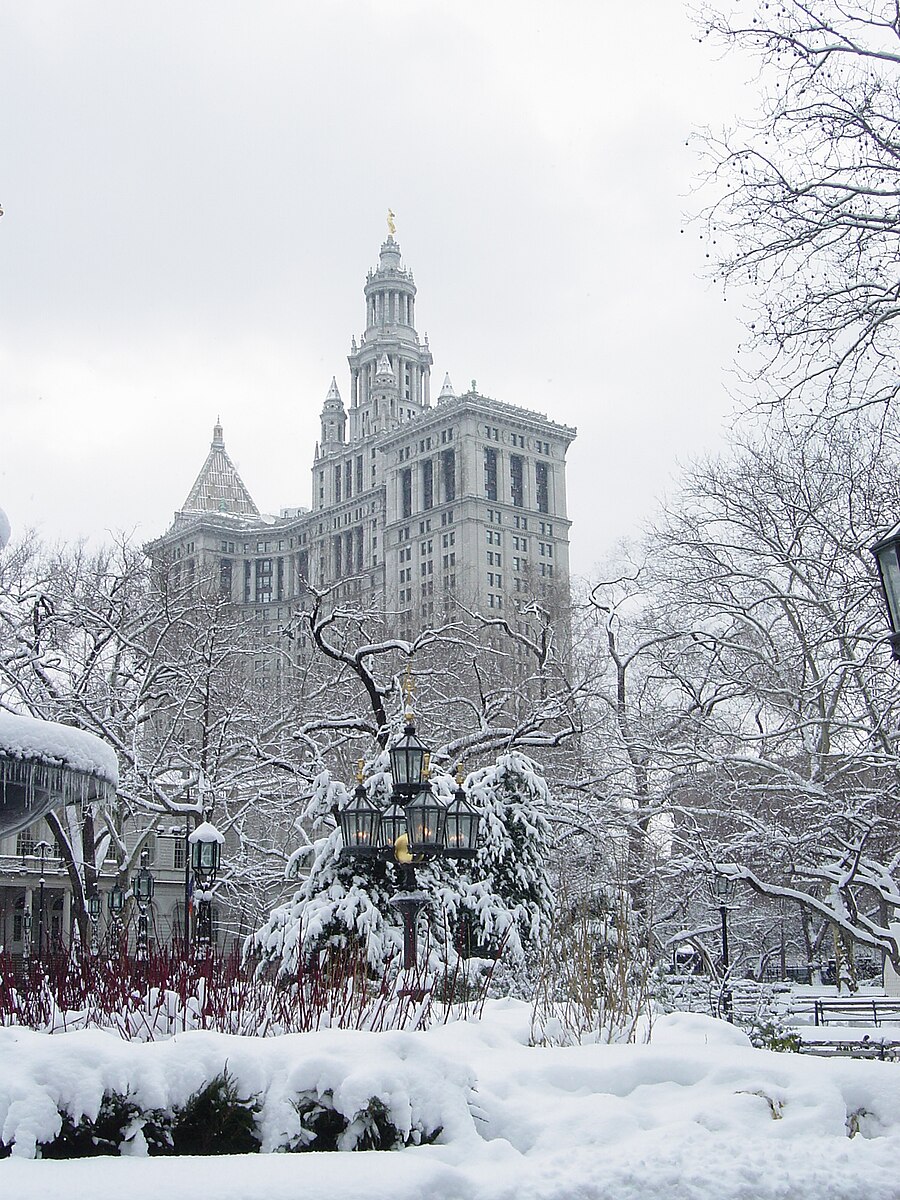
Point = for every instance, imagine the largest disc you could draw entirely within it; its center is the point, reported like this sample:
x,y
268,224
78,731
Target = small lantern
x,y
94,906
206,848
360,820
205,857
723,889
115,898
407,762
142,886
461,827
425,819
393,824
887,555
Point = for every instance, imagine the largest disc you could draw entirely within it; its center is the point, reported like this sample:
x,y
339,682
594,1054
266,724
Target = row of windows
x,y
431,481
517,480
492,434
425,444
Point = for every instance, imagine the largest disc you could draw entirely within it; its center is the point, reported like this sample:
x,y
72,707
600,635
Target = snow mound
x,y
678,1028
696,1114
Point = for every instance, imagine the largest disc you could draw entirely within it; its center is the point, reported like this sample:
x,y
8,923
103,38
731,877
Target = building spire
x,y
447,392
219,487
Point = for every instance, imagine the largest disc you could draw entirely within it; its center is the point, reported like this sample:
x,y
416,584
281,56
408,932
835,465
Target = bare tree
x,y
804,212
789,773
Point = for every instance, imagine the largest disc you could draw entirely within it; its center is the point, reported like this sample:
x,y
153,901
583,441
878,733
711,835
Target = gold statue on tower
x,y
392,222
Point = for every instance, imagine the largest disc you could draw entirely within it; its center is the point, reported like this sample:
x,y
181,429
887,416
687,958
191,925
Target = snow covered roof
x,y
219,488
32,740
44,765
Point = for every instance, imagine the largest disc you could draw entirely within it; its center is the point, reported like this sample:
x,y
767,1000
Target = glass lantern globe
x,y
360,820
722,889
206,856
393,824
115,898
142,886
461,827
407,762
426,817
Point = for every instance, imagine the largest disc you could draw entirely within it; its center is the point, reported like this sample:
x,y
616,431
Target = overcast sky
x,y
193,193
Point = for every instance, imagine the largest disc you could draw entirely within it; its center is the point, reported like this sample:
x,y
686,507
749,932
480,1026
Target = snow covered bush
x,y
500,900
82,1094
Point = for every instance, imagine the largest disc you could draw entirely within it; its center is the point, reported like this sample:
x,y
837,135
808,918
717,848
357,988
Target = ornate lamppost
x,y
142,888
722,892
206,856
42,847
416,826
115,901
887,555
94,909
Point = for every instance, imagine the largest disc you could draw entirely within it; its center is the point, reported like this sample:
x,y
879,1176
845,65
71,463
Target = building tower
x,y
389,345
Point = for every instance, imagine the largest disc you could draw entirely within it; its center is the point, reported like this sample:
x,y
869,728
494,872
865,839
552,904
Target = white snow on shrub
x,y
696,1114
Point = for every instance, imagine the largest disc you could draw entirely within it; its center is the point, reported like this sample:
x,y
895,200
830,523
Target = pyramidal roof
x,y
218,488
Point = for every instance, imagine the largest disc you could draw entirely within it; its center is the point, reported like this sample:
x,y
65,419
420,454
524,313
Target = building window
x,y
406,492
263,592
490,473
26,844
337,483
542,481
428,483
517,479
448,474
225,576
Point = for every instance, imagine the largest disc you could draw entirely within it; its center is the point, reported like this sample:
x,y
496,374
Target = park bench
x,y
886,1050
857,1010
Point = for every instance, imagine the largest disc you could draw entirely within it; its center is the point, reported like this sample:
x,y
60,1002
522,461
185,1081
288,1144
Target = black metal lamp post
x,y
206,857
94,909
723,893
416,826
43,847
142,888
887,555
115,902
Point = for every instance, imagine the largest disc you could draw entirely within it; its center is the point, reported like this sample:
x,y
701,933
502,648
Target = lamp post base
x,y
410,904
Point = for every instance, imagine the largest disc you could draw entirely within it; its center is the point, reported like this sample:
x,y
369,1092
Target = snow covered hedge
x,y
79,1094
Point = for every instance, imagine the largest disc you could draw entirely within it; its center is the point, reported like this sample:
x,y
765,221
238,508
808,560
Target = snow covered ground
x,y
697,1113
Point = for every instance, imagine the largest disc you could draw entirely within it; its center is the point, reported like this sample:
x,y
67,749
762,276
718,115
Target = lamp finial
x,y
409,691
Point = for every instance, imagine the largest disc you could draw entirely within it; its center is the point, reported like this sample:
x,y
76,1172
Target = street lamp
x,y
115,902
43,847
206,856
887,555
416,826
722,890
142,888
94,909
